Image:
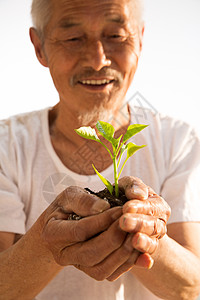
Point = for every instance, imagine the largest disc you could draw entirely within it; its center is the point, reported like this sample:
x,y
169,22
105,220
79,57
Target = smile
x,y
96,82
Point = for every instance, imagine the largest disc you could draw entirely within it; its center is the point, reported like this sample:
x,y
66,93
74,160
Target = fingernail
x,y
140,192
117,212
128,224
142,242
99,206
151,262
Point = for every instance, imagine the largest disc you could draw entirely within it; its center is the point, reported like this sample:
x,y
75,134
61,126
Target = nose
x,y
95,56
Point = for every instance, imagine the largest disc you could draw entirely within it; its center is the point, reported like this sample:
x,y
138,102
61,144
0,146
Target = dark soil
x,y
104,194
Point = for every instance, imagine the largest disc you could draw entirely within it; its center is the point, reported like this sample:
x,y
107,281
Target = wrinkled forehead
x,y
73,9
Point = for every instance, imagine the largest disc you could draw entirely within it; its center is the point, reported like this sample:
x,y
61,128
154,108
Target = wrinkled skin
x,y
103,244
81,43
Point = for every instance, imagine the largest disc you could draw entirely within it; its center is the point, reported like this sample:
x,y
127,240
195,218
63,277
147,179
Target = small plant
x,y
119,147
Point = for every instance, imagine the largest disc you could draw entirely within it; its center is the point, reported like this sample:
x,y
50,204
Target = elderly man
x,y
92,50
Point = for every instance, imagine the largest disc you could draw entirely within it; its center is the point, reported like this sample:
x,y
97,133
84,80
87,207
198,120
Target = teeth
x,y
95,82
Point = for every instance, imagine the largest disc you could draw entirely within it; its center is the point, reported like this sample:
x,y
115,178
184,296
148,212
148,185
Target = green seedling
x,y
119,147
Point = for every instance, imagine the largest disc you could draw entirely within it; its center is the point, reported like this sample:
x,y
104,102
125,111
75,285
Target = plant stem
x,y
119,159
106,149
119,148
122,167
116,176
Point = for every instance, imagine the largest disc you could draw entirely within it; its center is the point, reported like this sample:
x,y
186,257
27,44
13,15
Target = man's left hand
x,y
144,217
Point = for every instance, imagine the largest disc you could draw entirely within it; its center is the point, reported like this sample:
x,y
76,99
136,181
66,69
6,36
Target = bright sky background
x,y
168,76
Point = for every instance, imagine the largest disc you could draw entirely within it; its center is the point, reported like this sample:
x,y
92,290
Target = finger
x,y
127,266
133,188
154,206
94,250
67,232
117,263
78,200
137,258
144,243
142,223
144,261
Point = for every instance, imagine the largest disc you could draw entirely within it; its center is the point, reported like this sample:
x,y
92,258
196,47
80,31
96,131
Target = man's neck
x,y
75,152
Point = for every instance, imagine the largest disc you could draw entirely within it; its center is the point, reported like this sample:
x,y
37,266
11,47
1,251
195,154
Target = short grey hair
x,y
41,13
138,8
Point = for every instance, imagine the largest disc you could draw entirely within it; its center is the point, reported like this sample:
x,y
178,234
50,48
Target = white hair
x,y
138,9
41,13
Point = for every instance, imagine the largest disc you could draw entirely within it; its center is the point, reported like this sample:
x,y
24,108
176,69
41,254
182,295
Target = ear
x,y
39,50
141,35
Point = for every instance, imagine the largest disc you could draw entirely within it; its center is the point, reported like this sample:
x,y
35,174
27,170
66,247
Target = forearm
x,y
26,268
175,274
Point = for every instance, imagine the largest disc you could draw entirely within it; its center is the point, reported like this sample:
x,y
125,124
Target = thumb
x,y
78,200
133,187
144,261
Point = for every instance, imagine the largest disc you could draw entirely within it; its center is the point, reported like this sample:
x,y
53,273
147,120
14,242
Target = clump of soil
x,y
104,194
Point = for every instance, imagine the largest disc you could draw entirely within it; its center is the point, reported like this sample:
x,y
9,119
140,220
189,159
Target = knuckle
x,y
151,209
156,228
159,228
70,192
81,199
165,210
153,245
163,229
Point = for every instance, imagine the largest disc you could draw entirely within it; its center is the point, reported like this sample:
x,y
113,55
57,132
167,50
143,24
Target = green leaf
x,y
104,180
132,148
87,133
123,148
106,130
132,130
116,142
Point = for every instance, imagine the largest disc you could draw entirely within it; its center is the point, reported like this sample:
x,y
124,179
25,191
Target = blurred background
x,y
168,75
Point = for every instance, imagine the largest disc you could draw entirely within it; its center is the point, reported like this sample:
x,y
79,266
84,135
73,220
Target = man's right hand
x,y
89,242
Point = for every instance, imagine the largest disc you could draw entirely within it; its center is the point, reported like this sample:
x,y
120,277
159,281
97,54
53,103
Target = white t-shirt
x,y
31,175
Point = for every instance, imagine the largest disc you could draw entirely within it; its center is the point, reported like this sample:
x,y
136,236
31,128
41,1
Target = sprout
x,y
119,147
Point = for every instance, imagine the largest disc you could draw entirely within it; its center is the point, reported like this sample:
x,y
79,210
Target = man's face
x,y
92,49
